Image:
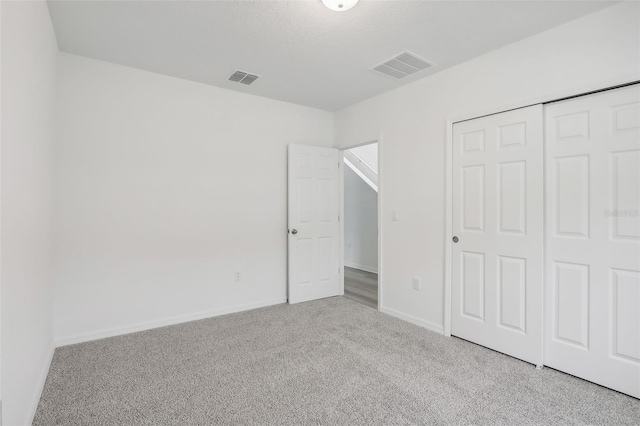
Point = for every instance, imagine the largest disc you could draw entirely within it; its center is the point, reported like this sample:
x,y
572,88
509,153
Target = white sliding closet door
x,y
592,285
497,280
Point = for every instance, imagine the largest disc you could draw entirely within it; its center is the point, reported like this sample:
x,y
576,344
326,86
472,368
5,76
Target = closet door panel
x,y
498,221
592,249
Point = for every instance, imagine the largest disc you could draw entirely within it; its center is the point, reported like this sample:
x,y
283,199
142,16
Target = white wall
x,y
360,223
0,215
369,154
29,51
164,188
595,51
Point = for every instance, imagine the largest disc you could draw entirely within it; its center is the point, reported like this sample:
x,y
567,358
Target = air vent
x,y
243,77
402,65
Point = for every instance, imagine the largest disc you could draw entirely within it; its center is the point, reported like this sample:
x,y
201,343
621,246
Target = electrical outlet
x,y
238,276
394,215
416,283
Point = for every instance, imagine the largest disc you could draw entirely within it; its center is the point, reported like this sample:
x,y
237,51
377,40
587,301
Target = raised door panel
x,y
473,285
472,142
304,248
473,198
512,197
625,190
626,117
573,127
626,314
512,279
571,313
304,204
570,184
512,135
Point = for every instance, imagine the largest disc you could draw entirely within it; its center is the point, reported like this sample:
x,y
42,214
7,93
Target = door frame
x,y
544,99
380,226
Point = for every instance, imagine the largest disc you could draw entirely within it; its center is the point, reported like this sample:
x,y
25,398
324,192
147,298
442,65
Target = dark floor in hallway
x,y
361,286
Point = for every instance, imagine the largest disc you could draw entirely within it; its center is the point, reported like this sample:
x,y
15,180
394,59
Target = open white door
x,y
496,277
314,231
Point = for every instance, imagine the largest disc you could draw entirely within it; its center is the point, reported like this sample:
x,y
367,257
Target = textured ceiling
x,y
305,53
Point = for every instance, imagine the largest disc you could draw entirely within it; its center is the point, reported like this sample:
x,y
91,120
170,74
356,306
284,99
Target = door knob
x,y
294,231
455,239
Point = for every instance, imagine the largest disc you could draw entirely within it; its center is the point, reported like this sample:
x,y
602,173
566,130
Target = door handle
x,y
455,239
294,231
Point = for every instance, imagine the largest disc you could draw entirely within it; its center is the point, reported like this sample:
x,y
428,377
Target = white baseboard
x,y
148,325
42,379
361,267
438,328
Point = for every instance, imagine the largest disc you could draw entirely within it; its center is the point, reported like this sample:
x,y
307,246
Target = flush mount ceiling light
x,y
339,5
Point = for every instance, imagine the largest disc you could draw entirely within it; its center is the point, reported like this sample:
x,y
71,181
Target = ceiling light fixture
x,y
339,5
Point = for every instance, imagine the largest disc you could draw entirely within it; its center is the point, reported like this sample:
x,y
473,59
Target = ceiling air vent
x,y
402,65
243,77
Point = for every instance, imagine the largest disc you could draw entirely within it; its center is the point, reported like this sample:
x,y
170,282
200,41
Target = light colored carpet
x,y
331,361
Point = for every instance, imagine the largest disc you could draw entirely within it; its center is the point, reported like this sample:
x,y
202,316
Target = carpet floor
x,y
327,362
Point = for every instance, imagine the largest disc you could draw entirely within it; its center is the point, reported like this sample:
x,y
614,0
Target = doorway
x,y
360,204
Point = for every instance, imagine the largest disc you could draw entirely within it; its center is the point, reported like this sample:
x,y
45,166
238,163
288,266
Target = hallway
x,y
361,286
